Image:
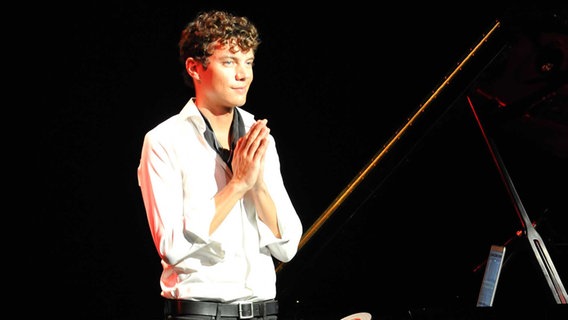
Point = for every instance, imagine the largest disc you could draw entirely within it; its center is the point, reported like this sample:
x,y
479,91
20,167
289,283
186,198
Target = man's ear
x,y
191,68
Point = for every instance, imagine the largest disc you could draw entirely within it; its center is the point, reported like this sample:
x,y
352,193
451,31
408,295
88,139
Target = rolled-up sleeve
x,y
289,223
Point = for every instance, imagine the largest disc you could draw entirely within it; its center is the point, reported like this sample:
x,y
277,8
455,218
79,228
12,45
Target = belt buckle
x,y
245,310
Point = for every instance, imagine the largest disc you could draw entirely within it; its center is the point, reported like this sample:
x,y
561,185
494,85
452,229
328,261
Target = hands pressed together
x,y
248,156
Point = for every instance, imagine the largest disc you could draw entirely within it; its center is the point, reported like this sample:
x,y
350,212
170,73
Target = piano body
x,y
408,236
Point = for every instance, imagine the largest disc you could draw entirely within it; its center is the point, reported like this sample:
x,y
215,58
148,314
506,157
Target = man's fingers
x,y
258,132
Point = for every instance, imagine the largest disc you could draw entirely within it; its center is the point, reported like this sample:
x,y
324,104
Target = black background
x,y
336,82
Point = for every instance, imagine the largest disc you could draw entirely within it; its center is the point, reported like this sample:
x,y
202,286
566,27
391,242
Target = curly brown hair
x,y
200,36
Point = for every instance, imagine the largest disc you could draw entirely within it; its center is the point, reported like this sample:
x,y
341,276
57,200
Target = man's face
x,y
229,74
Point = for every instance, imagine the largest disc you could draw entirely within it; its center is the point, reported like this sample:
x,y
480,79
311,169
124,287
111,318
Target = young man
x,y
210,179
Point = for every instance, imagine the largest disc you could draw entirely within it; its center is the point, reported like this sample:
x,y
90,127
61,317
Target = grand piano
x,y
481,162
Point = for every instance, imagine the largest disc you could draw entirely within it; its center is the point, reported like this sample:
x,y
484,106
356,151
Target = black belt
x,y
241,310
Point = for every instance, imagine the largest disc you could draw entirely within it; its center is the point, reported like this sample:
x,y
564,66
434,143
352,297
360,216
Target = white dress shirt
x,y
179,175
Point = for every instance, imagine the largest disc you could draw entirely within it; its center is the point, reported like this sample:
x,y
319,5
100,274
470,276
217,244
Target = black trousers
x,y
197,317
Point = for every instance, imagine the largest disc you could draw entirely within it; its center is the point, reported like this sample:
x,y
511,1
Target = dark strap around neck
x,y
237,131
